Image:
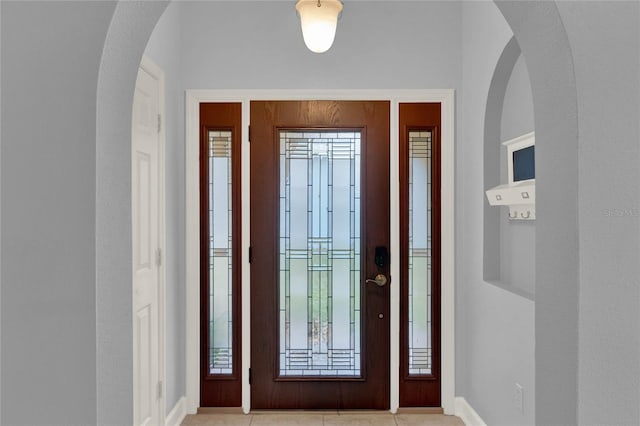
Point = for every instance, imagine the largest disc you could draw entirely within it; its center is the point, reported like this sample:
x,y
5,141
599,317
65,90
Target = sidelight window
x,y
420,273
220,253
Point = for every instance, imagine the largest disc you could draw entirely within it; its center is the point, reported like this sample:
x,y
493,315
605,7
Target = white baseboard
x,y
467,413
177,414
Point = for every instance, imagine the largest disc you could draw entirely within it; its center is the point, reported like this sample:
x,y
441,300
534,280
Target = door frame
x,y
193,99
155,71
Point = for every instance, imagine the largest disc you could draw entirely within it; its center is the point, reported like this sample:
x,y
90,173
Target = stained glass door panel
x,y
319,207
220,250
420,203
319,253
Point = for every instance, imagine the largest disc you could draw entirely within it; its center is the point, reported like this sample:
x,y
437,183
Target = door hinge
x,y
249,375
158,257
250,254
159,390
249,132
159,122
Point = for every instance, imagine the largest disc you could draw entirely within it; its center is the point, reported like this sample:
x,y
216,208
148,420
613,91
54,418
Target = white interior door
x,y
146,250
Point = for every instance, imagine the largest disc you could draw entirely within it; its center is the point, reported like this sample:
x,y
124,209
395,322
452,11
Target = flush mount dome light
x,y
319,20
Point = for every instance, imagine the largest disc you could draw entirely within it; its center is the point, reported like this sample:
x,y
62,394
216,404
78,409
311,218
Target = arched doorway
x,y
553,83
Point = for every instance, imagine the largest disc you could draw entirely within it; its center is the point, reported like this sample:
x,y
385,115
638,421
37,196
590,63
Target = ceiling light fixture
x,y
319,20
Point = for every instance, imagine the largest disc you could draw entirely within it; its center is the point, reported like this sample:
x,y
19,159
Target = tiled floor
x,y
329,418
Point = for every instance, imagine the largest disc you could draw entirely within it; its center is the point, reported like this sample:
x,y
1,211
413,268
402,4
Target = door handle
x,y
380,280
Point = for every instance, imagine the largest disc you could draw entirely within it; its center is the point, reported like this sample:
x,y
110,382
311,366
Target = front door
x,y
319,254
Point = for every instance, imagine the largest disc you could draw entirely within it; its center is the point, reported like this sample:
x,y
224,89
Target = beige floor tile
x,y
427,420
359,419
295,412
293,419
330,418
217,420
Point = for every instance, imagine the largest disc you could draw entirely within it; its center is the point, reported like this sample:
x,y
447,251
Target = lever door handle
x,y
380,280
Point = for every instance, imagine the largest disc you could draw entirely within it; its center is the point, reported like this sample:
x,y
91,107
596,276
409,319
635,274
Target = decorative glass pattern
x,y
420,252
220,259
319,286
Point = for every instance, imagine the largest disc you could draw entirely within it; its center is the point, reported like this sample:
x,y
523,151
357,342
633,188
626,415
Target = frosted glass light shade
x,y
319,22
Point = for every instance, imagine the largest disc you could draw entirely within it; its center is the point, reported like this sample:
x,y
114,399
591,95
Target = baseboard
x,y
467,413
177,414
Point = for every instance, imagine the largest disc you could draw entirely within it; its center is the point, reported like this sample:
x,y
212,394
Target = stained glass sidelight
x,y
319,285
420,252
220,258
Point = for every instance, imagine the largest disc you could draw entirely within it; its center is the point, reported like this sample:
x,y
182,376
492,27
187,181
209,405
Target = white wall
x,y
517,237
605,42
48,176
378,45
497,325
517,111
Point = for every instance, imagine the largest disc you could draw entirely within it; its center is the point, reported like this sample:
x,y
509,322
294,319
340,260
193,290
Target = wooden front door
x,y
319,254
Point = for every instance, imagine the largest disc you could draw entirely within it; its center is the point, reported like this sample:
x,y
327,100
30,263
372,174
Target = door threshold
x,y
401,410
238,410
319,411
295,411
420,410
220,410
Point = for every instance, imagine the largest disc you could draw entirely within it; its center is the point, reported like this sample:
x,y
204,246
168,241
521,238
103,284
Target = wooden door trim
x,y
447,98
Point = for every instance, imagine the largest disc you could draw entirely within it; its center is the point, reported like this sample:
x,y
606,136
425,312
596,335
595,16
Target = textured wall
x,y
542,37
131,25
605,42
50,63
497,339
